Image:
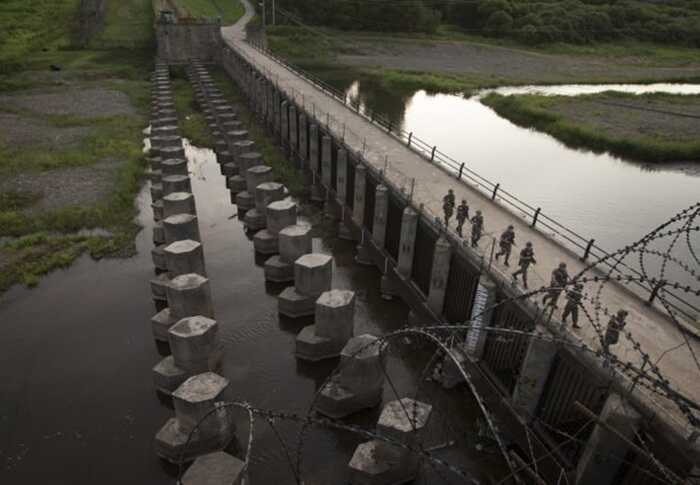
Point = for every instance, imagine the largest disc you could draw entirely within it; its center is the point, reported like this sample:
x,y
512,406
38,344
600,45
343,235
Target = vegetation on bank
x,y
229,10
651,127
528,21
32,241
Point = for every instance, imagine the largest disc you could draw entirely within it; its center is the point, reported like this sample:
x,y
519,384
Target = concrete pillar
x,y
533,374
438,276
314,156
171,153
409,226
303,142
358,210
284,122
183,257
265,194
277,116
248,160
480,316
257,175
216,468
293,242
605,450
341,176
174,166
241,147
293,129
194,344
312,276
181,226
333,327
189,295
381,463
178,203
280,214
358,381
326,146
381,212
271,104
176,183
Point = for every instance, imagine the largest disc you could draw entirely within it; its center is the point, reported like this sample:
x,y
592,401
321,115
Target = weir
x,y
529,386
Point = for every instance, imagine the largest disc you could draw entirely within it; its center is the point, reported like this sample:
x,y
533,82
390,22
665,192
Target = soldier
x,y
506,243
573,300
477,226
615,325
559,279
448,206
462,215
527,257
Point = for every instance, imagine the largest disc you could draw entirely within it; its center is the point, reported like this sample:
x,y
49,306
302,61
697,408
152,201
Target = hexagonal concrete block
x,y
241,147
245,201
313,274
194,343
265,242
335,316
215,469
171,153
403,419
378,463
176,183
257,175
174,166
295,305
278,271
157,208
236,185
267,193
189,295
179,203
158,257
249,159
156,191
180,227
195,399
167,376
294,242
186,256
229,169
281,214
254,220
161,323
159,286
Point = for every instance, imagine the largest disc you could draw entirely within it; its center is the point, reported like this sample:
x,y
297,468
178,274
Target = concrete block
x,y
158,257
236,185
313,274
229,169
225,157
159,286
265,242
158,234
180,227
195,399
245,201
157,208
161,323
294,305
278,271
267,193
176,183
216,469
194,344
167,376
154,176
179,203
257,175
294,242
189,295
335,316
378,463
185,256
404,419
156,191
281,214
171,153
409,226
174,166
241,147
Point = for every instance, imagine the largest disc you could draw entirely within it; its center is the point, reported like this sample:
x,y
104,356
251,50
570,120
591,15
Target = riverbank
x,y
70,151
453,62
655,127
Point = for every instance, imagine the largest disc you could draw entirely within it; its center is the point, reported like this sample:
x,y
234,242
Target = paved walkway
x,y
655,333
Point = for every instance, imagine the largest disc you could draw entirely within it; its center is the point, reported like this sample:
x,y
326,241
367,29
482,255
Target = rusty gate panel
x,y
569,381
393,226
504,353
462,281
350,179
370,188
426,237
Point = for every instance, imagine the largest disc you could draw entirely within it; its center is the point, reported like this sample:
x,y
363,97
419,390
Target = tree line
x,y
529,21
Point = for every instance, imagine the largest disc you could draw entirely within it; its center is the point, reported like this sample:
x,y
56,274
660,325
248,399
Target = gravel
x,y
88,103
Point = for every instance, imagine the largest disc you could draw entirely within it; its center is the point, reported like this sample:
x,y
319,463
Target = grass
x,y
275,158
120,57
589,131
191,122
229,10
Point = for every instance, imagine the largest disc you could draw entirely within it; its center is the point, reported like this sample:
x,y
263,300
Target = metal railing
x,y
585,248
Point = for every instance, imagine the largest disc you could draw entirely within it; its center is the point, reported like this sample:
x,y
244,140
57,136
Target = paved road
x,y
655,333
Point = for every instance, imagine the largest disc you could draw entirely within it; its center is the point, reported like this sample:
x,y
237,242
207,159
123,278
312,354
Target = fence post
x,y
588,250
534,218
495,191
461,168
432,155
410,137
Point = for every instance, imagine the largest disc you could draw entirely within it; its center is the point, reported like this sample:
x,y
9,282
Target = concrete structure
x,y
293,242
176,183
438,276
183,257
334,326
179,43
380,463
312,276
188,295
181,226
254,176
409,225
216,469
174,166
265,194
357,382
280,214
179,203
198,410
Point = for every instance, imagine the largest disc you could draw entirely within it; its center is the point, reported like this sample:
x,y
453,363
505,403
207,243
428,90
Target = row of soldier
x,y
559,278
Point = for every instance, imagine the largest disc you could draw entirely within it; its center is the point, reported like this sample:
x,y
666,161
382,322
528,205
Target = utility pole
x,y
274,13
264,17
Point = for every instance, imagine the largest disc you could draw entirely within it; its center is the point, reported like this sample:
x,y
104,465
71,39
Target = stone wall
x,y
180,42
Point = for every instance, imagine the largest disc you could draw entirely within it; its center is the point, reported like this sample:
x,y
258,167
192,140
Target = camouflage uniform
x,y
573,300
462,215
527,257
559,279
448,206
477,226
506,243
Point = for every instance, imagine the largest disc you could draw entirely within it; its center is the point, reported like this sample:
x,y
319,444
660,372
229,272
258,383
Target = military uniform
x,y
559,279
506,243
462,215
527,257
477,226
448,206
573,301
615,326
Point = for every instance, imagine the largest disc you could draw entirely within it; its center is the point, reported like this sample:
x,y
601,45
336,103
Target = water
x,y
77,403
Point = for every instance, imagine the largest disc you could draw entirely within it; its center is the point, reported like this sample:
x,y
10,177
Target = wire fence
x,y
585,248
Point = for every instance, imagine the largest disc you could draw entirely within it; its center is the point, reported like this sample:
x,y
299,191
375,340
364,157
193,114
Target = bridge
x,y
386,188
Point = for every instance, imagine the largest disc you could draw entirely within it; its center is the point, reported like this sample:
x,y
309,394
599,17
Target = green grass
x,y
284,172
229,10
127,24
190,121
537,112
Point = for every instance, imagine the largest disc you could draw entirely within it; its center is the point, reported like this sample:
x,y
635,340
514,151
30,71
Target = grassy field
x,y
37,236
652,128
228,10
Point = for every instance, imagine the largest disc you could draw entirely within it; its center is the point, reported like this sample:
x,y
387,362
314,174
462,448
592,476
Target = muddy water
x,y
77,404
